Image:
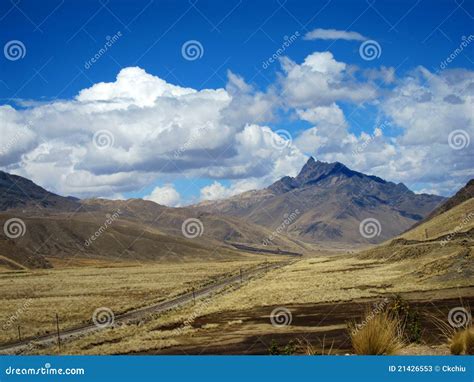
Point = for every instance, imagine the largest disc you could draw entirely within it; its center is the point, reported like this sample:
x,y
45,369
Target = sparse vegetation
x,y
74,293
409,319
276,349
381,334
462,342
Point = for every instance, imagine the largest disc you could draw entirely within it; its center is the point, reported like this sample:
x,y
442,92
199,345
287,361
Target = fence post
x,y
57,330
19,333
241,277
194,297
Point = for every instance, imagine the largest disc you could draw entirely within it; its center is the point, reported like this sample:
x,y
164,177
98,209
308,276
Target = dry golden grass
x,y
457,219
31,299
379,334
462,342
310,280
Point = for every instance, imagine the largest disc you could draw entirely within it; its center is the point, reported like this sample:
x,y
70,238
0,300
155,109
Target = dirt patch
x,y
323,325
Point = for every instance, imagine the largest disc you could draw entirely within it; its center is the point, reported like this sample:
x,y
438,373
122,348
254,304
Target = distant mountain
x,y
328,202
55,227
19,192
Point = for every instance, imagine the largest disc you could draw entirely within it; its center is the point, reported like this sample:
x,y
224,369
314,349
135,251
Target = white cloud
x,y
162,131
166,196
425,107
154,129
322,80
215,191
333,34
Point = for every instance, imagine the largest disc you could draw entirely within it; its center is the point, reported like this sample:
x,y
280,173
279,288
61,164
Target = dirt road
x,y
138,314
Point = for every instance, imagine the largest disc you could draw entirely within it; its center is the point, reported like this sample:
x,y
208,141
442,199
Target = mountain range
x,y
331,201
324,205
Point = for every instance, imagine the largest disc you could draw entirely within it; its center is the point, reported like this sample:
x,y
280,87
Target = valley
x,y
233,284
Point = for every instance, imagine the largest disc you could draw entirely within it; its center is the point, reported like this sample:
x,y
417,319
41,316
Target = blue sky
x,y
59,37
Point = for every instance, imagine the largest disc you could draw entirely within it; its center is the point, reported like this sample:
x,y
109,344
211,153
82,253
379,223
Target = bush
x,y
275,349
457,343
409,319
462,342
469,341
379,334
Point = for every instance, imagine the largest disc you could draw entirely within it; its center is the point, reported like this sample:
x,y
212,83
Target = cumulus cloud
x,y
426,108
166,195
121,136
322,80
333,34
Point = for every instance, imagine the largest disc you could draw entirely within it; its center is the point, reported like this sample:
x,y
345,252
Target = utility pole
x,y
57,330
19,333
194,297
241,276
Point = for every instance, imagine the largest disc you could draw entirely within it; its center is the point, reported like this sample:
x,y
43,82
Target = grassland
x,y
324,294
31,298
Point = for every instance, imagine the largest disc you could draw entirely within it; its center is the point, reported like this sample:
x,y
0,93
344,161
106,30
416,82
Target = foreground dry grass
x,y
335,279
32,298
